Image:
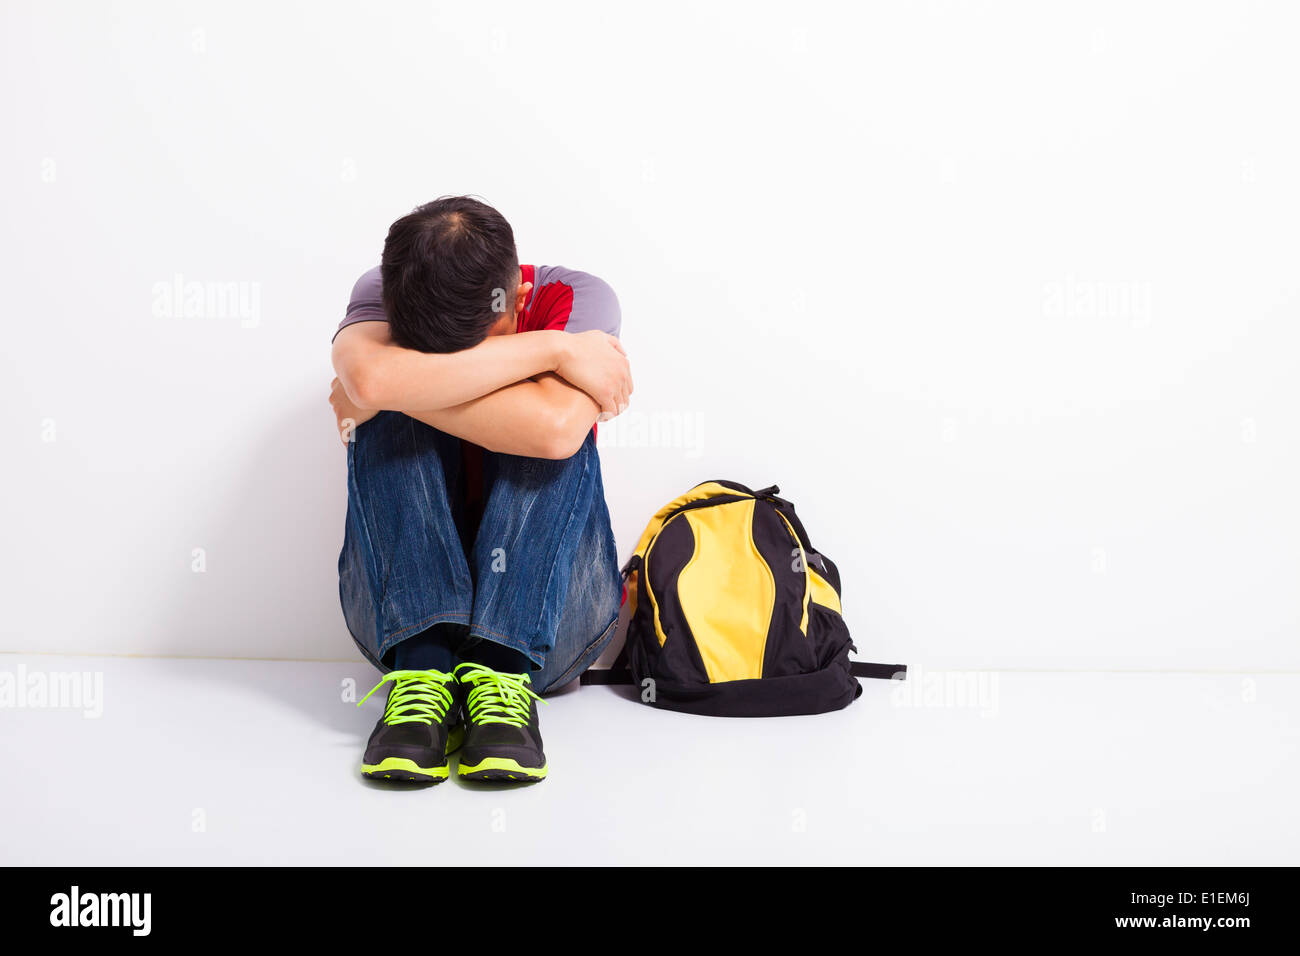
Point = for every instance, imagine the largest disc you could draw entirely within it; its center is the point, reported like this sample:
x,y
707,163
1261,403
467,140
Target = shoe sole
x,y
501,768
403,768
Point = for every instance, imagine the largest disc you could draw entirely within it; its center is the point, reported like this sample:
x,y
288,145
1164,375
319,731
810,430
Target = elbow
x,y
561,439
365,389
559,448
358,373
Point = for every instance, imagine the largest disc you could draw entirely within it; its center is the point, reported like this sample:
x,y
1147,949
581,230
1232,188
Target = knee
x,y
394,433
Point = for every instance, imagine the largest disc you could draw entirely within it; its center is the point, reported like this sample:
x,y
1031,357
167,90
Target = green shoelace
x,y
417,696
497,698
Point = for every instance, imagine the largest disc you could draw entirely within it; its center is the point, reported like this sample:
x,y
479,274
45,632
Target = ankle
x,y
498,657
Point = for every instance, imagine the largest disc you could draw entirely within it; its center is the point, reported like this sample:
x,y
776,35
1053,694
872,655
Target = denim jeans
x,y
539,574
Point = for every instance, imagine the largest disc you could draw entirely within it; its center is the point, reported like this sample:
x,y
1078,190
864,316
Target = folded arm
x,y
378,375
503,394
545,417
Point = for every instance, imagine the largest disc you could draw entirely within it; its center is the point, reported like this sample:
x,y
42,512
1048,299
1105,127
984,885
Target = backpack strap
x,y
606,675
881,671
617,673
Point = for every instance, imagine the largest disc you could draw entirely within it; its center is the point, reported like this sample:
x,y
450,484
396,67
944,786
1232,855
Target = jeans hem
x,y
396,637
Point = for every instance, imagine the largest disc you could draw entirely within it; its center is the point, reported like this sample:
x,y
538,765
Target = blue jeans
x,y
538,574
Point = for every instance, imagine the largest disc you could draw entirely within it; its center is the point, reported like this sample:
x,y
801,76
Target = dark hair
x,y
449,271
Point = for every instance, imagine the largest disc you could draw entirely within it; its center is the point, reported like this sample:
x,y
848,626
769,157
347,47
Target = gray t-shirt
x,y
560,298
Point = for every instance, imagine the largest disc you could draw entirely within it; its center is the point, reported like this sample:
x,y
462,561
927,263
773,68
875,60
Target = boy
x,y
478,564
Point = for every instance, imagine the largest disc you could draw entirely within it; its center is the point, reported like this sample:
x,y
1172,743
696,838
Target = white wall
x,y
1003,296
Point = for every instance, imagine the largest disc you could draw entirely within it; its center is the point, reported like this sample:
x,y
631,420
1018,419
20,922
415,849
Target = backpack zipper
x,y
803,562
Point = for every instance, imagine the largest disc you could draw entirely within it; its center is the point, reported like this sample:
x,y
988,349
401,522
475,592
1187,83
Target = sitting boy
x,y
478,565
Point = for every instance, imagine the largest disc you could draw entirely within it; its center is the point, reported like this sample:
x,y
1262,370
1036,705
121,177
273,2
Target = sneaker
x,y
420,727
502,737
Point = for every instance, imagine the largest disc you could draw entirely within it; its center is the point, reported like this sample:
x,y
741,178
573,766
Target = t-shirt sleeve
x,y
591,303
367,302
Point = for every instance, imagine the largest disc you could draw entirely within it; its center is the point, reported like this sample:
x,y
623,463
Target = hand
x,y
346,413
596,363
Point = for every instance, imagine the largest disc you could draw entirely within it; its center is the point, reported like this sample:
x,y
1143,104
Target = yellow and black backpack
x,y
734,613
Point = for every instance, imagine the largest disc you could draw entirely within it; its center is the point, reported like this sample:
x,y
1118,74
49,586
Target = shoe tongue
x,y
499,698
417,707
408,710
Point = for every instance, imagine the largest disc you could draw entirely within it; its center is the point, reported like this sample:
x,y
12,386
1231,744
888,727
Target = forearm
x,y
545,418
379,375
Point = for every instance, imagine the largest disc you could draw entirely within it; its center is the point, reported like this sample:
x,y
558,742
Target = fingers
x,y
623,391
624,388
336,402
602,370
615,405
627,390
625,382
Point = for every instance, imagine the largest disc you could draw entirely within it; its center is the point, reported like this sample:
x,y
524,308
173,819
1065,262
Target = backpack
x,y
733,612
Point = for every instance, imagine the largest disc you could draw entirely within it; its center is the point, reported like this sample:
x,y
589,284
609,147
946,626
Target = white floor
x,y
221,762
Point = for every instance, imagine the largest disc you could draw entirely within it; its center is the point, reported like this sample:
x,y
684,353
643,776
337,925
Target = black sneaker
x,y
420,727
503,740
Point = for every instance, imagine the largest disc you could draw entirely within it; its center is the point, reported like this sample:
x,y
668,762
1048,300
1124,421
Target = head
x,y
451,276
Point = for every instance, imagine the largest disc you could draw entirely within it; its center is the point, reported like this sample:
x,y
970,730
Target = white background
x,y
1003,296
